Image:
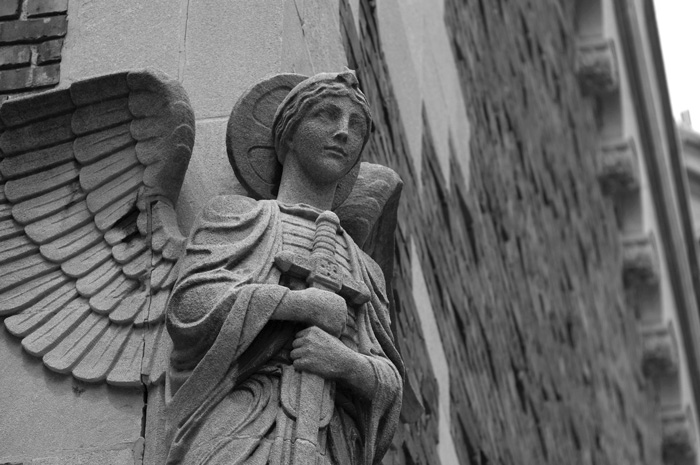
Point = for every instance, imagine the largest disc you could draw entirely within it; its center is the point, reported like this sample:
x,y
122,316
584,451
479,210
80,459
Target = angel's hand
x,y
316,351
314,307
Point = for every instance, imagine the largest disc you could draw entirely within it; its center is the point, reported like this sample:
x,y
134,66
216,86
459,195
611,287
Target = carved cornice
x,y
618,169
596,66
678,442
640,263
660,357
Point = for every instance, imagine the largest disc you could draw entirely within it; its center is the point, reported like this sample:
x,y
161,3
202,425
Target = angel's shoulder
x,y
230,206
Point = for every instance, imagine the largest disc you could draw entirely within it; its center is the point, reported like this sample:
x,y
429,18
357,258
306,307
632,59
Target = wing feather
x,y
126,226
59,223
5,211
86,261
115,189
109,297
94,175
97,279
9,229
25,111
37,135
115,211
50,333
70,350
40,207
42,182
20,297
157,354
127,370
94,147
23,323
100,115
16,248
154,311
85,172
160,273
172,276
18,272
32,162
128,308
139,266
125,252
71,244
95,365
99,88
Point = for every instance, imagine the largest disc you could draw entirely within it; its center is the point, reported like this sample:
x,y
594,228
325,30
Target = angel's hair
x,y
305,96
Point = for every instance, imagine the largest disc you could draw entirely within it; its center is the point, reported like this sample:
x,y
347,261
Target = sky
x,y
679,28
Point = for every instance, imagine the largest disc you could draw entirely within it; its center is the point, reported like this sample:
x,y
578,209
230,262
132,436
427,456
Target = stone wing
x,y
369,215
89,240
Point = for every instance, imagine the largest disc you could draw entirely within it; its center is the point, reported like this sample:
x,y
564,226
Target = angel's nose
x,y
341,132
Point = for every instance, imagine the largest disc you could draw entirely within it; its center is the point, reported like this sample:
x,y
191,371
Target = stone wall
x,y
523,267
31,39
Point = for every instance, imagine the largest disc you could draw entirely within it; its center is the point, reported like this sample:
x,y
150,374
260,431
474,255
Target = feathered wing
x,y
369,215
89,240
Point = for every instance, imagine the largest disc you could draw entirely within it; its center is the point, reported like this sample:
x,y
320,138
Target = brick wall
x,y
31,39
523,270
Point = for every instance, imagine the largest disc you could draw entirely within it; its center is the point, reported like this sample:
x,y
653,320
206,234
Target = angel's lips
x,y
335,149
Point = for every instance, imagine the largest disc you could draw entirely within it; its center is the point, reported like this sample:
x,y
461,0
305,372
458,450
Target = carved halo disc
x,y
249,142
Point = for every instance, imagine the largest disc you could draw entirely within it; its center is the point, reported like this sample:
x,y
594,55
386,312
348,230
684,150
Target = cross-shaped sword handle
x,y
321,269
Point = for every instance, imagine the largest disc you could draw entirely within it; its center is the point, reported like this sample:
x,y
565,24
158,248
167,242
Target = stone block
x,y
46,415
679,443
596,66
618,169
10,8
15,55
660,356
33,29
45,7
640,263
29,78
129,34
209,173
224,58
49,51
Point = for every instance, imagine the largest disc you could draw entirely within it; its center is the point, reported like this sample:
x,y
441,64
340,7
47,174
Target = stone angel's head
x,y
324,122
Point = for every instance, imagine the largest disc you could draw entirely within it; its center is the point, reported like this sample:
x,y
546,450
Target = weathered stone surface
x,y
14,55
34,401
46,7
523,270
33,29
153,29
28,78
49,51
618,167
258,45
596,66
10,9
678,439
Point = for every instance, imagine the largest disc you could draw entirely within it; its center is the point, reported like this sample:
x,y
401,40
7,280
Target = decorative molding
x,y
640,262
678,446
618,168
597,67
660,356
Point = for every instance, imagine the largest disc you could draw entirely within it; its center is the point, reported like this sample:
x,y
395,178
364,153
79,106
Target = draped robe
x,y
223,401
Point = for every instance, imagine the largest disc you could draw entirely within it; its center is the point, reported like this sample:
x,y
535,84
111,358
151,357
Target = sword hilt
x,y
325,271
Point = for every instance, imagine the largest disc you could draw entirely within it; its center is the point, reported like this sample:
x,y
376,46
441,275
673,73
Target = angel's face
x,y
328,141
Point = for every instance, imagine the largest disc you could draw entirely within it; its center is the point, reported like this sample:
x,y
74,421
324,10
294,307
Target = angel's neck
x,y
297,186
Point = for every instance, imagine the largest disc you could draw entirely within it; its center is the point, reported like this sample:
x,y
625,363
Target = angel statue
x,y
270,325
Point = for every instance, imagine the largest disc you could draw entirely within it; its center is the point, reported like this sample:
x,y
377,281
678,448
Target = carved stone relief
x,y
278,344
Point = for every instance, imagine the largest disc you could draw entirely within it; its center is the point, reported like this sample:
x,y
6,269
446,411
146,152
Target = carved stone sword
x,y
322,272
